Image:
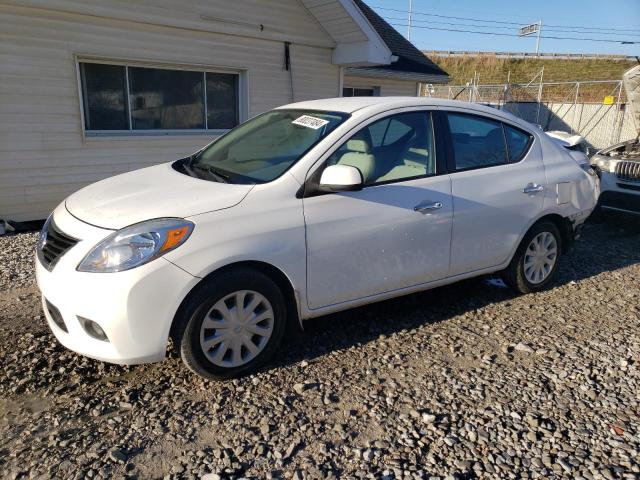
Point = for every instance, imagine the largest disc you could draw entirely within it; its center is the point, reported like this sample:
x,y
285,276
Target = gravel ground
x,y
465,381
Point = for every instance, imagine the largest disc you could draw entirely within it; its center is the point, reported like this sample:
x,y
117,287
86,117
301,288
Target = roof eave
x,y
373,51
397,75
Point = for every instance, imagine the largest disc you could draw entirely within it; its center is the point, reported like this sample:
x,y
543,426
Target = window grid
x,y
359,92
127,96
127,102
204,100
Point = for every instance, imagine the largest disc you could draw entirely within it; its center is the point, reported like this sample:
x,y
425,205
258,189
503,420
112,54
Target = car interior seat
x,y
414,159
359,155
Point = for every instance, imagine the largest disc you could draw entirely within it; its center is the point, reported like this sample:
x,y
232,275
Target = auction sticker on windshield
x,y
310,122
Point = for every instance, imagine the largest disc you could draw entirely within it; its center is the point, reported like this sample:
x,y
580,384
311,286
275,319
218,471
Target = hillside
x,y
492,69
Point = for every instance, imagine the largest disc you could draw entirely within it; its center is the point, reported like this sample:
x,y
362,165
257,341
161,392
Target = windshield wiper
x,y
186,165
216,173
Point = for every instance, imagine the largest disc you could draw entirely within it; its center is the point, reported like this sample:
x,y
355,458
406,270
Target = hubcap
x,y
236,329
540,257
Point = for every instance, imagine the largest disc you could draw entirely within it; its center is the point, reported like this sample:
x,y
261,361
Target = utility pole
x,y
409,23
538,39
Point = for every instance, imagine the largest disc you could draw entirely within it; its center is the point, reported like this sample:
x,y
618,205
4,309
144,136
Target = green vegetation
x,y
492,69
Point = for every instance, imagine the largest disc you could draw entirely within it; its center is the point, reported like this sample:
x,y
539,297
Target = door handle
x,y
427,207
533,188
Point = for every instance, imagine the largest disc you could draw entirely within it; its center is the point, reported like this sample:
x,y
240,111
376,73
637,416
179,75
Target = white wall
x,y
388,87
600,125
44,155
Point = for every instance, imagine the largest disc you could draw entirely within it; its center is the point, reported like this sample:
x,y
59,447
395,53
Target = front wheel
x,y
536,260
231,325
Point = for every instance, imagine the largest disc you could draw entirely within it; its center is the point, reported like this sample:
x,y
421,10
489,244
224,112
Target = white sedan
x,y
305,210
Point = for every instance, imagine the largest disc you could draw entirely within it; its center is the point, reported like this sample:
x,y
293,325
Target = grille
x,y
628,171
56,316
56,244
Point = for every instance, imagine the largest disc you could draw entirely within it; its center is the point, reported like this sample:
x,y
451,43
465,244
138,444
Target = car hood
x,y
153,192
627,144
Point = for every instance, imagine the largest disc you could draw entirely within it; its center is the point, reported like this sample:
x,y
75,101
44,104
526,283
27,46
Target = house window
x,y
132,98
361,92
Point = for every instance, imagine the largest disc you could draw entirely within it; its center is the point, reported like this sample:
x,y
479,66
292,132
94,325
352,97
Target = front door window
x,y
395,148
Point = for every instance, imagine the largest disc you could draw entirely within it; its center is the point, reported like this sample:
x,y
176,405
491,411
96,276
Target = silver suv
x,y
619,170
618,166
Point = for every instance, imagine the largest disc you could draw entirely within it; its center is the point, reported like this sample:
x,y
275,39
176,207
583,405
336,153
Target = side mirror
x,y
341,178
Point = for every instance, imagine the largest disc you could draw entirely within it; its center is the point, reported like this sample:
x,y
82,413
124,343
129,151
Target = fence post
x,y
539,96
575,109
580,116
615,115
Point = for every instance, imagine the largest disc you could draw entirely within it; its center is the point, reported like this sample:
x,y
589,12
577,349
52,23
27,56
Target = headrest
x,y
495,136
356,145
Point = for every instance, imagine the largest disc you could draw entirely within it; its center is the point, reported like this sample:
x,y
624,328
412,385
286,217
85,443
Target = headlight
x,y
42,239
604,163
588,168
136,245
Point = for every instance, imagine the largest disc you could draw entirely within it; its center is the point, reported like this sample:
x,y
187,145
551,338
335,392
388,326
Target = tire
x,y
237,285
516,277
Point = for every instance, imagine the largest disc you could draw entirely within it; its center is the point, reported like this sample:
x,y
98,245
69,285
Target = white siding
x,y
268,19
44,155
337,21
388,87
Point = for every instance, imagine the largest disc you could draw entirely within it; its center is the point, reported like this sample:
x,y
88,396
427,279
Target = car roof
x,y
374,105
351,104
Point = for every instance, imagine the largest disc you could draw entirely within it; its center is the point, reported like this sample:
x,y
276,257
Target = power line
x,y
502,21
607,32
475,25
449,16
518,36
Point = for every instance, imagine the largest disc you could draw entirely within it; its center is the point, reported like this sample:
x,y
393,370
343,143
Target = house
x,y
409,67
95,88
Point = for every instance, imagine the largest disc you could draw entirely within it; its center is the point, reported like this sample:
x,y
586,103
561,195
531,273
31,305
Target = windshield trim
x,y
344,116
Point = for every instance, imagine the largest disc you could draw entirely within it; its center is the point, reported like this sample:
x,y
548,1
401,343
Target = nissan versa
x,y
304,210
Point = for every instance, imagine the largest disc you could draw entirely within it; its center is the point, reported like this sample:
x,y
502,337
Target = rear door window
x,y
476,141
518,142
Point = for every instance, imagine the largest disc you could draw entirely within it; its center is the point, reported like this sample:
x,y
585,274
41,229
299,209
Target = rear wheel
x,y
536,260
231,325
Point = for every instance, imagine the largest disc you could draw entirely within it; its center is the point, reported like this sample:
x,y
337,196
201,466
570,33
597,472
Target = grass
x,y
492,69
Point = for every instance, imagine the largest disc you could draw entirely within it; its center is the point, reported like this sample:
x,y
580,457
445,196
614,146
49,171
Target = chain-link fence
x,y
594,109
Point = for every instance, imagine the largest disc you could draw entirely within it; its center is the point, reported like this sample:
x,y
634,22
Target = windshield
x,y
260,150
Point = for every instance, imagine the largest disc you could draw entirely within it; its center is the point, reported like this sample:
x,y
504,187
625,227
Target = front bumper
x,y
619,195
134,308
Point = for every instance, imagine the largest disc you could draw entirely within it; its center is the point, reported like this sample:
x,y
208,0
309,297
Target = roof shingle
x,y
410,59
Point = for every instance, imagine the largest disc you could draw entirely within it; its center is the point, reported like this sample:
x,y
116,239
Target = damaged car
x,y
618,166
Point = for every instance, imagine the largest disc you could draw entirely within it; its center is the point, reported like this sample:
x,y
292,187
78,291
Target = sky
x,y
583,19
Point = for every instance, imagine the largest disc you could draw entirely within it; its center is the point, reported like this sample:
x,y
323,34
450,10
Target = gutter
x,y
396,74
